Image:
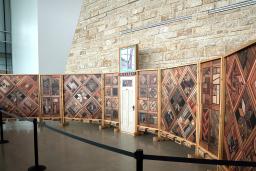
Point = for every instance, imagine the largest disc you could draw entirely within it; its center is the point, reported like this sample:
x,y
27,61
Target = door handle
x,y
133,107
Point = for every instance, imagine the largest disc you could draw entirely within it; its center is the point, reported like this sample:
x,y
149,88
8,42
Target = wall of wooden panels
x,y
147,98
111,91
220,101
51,91
19,94
179,101
82,96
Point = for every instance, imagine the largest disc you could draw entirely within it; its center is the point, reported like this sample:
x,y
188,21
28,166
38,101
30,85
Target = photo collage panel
x,y
51,95
111,97
147,102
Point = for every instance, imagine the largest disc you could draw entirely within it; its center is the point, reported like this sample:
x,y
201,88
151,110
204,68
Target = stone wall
x,y
168,32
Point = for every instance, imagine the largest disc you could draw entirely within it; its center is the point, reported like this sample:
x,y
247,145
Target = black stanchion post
x,y
37,167
139,160
2,141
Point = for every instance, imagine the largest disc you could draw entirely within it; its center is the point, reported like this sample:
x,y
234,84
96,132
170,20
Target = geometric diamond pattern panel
x,y
179,101
111,97
19,94
147,102
50,95
240,115
82,96
210,101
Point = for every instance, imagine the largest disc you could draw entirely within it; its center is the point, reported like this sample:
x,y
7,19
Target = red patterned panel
x,y
235,81
240,115
82,96
179,101
19,94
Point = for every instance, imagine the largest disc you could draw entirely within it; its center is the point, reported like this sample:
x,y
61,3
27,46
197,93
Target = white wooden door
x,y
127,106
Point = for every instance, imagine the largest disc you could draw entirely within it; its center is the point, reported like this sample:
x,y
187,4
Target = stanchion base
x,y
37,168
4,141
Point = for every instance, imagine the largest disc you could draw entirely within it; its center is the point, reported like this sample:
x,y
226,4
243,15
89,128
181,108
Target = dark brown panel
x,y
51,95
82,96
179,101
19,94
210,100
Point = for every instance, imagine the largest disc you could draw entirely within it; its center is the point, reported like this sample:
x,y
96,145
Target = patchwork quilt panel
x,y
82,96
210,101
19,94
240,115
179,101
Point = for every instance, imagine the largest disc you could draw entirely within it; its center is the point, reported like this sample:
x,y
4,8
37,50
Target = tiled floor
x,y
60,153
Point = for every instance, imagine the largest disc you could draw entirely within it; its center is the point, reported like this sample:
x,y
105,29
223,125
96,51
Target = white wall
x,y
57,23
24,36
42,33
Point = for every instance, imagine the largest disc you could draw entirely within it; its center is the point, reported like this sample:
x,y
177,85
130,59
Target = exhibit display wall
x,y
210,105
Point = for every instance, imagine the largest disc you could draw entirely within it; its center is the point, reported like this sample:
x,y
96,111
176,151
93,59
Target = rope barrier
x,y
103,146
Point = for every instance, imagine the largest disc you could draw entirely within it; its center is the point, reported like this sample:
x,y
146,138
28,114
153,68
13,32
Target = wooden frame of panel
x,y
40,98
119,106
136,102
62,111
103,99
159,101
198,109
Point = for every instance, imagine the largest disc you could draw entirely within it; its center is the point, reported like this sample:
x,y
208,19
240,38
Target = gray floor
x,y
60,153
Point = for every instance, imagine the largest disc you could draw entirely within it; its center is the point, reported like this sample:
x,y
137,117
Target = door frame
x,y
134,79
